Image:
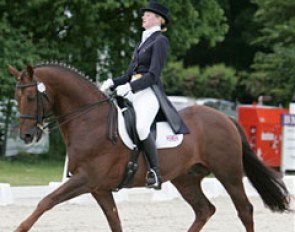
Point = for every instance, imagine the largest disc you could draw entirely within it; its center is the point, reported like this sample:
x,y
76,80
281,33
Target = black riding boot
x,y
153,178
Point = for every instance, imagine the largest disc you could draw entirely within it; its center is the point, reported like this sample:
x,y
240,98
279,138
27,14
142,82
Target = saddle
x,y
128,113
161,130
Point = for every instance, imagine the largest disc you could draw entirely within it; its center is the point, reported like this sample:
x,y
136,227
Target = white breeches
x,y
146,107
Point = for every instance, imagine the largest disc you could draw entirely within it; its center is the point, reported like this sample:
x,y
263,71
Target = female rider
x,y
142,85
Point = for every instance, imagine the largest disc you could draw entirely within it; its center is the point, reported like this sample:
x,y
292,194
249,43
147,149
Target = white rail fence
x,y
212,188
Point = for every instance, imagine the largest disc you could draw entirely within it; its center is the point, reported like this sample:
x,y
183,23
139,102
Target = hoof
x,y
20,229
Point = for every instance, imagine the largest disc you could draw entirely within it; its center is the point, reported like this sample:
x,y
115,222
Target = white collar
x,y
147,33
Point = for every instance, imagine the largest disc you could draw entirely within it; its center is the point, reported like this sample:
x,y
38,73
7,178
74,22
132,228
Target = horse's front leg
x,y
75,186
109,207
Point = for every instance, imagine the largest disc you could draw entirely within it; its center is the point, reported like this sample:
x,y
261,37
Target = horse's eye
x,y
31,98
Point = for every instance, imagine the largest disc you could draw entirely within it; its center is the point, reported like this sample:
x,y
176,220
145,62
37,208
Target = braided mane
x,y
78,74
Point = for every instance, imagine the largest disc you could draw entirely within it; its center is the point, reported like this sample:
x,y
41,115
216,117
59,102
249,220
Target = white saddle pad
x,y
166,138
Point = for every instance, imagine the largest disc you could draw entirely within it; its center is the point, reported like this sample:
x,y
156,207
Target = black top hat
x,y
158,9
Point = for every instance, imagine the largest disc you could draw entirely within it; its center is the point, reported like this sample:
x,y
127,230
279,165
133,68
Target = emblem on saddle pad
x,y
165,135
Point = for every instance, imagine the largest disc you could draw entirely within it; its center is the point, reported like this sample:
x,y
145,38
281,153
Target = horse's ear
x,y
30,71
13,71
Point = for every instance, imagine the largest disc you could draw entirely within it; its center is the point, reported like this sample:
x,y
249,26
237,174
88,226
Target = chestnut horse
x,y
216,144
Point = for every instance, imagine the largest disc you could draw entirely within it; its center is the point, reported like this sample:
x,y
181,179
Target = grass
x,y
28,173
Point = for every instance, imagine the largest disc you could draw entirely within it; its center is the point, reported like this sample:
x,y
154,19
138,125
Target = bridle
x,y
41,115
46,122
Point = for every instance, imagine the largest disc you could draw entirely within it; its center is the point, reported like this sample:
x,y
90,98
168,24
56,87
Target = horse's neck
x,y
69,96
68,92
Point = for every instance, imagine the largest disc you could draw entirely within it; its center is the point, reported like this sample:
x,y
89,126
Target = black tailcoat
x,y
149,59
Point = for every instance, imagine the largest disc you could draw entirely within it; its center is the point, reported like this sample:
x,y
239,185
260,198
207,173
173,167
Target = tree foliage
x,y
181,81
234,49
217,81
274,67
97,37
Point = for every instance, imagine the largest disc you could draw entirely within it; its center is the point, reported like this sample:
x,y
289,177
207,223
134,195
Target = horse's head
x,y
29,94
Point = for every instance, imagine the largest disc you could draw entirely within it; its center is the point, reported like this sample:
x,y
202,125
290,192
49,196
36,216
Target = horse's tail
x,y
266,181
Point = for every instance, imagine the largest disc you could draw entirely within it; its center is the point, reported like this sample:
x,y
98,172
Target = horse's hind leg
x,y
72,188
107,203
189,187
231,178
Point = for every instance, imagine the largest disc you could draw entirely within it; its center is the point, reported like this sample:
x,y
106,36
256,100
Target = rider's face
x,y
150,19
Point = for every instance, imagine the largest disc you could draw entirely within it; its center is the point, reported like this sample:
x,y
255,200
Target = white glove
x,y
106,85
123,90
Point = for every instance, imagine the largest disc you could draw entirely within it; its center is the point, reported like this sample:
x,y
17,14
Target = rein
x,y
76,113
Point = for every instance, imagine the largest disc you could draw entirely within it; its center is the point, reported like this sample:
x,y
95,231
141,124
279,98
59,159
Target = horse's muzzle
x,y
31,135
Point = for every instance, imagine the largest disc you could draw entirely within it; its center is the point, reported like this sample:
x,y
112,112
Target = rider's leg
x,y
146,107
153,179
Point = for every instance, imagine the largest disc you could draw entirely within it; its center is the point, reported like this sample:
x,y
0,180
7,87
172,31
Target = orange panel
x,y
263,128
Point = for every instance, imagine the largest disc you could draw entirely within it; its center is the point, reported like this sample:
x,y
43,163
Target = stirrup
x,y
153,180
